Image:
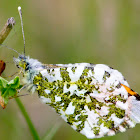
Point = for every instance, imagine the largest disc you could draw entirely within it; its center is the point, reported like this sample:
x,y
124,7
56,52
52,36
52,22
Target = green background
x,y
69,31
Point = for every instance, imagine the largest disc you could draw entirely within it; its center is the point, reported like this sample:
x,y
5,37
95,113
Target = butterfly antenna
x,y
20,14
10,48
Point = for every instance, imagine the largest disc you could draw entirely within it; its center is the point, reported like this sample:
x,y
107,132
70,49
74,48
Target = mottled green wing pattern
x,y
88,97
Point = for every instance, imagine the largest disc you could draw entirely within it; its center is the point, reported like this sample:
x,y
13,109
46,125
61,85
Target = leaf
x,y
5,102
8,90
20,86
15,83
3,91
6,93
12,92
3,82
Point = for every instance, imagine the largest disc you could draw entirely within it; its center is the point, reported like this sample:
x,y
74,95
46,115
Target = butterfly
x,y
94,99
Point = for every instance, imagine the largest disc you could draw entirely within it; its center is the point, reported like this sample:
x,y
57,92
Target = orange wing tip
x,y
131,92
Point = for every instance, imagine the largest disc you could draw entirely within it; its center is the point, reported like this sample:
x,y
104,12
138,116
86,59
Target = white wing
x,y
89,97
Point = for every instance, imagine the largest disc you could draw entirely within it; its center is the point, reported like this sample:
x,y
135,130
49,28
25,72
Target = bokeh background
x,y
69,31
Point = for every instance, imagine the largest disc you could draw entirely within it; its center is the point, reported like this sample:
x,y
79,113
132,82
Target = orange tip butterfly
x,y
94,99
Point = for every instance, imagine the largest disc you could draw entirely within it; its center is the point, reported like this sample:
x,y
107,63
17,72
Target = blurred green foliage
x,y
71,31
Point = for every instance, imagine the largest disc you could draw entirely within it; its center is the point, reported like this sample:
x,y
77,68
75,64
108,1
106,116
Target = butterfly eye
x,y
17,66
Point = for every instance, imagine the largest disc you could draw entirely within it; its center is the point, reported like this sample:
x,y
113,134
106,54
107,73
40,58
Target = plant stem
x,y
6,29
28,120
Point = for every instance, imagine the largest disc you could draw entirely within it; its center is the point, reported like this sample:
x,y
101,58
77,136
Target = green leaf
x,y
3,91
8,90
15,83
3,82
5,101
6,93
20,86
12,92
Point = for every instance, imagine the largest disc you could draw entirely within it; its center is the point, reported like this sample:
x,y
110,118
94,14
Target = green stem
x,y
28,120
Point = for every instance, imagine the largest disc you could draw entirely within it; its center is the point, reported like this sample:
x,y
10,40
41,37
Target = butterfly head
x,y
27,64
22,62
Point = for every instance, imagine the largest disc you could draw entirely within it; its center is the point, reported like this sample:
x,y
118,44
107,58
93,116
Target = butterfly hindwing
x,y
88,97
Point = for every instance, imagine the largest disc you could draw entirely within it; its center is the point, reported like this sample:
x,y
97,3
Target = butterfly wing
x,y
89,97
